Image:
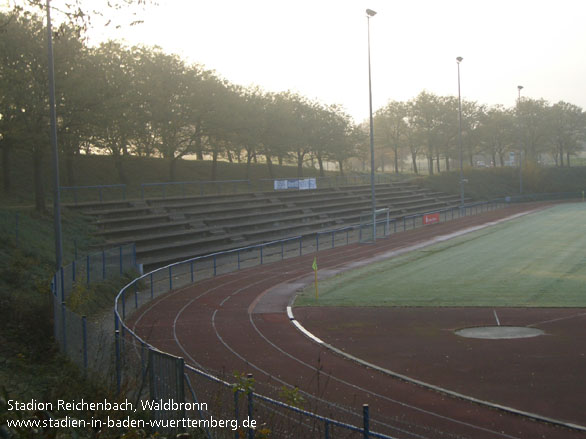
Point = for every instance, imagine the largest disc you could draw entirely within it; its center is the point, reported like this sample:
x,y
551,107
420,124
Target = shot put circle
x,y
499,332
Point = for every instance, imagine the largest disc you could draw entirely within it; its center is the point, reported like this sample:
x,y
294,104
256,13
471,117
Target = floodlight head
x,y
519,87
370,13
459,59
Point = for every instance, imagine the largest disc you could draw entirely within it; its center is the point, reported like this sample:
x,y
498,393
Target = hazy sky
x,y
319,47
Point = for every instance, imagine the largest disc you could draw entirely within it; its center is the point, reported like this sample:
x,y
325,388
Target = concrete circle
x,y
499,332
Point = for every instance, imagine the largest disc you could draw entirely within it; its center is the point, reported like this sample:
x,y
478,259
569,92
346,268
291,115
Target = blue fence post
x,y
215,265
73,270
152,286
238,257
261,260
124,304
170,277
333,238
250,407
64,327
191,271
118,365
300,245
366,420
327,429
236,414
84,341
317,242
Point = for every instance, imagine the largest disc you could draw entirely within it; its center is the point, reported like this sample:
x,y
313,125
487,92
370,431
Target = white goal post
x,y
368,231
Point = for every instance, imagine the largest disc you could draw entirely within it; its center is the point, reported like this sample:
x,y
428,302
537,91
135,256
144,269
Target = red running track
x,y
238,322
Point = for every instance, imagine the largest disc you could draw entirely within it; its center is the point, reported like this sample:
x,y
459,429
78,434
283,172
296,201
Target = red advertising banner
x,y
431,218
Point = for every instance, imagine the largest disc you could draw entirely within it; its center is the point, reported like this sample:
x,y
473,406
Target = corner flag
x,y
314,266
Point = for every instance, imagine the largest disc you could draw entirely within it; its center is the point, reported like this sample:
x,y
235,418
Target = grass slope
x,y
533,261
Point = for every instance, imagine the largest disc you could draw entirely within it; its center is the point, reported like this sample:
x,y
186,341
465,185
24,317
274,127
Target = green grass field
x,y
534,261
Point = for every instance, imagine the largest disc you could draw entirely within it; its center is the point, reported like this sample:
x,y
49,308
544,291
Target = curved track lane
x,y
228,323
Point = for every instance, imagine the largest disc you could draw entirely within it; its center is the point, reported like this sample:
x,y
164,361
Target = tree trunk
x,y
396,160
414,160
447,164
214,164
172,169
69,168
321,166
229,154
6,165
438,163
568,159
300,156
119,164
430,164
270,165
248,160
561,156
341,165
280,157
38,180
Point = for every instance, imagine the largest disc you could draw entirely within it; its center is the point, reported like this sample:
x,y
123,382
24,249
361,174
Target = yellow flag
x,y
314,266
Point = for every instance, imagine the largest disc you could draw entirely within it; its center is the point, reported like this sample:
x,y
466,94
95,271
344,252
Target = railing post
x,y
152,286
250,407
366,420
118,365
317,242
215,265
135,295
64,327
236,414
170,277
300,245
238,257
327,429
191,270
124,304
261,260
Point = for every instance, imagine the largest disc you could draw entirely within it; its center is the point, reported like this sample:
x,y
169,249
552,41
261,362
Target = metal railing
x,y
103,192
181,274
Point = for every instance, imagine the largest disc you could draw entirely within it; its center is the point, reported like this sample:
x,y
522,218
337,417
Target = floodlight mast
x,y
53,117
458,61
519,88
370,13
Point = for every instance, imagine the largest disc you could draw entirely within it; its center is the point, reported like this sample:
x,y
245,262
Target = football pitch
x,y
538,260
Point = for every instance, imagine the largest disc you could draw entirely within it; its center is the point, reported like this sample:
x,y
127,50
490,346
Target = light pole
x,y
458,61
519,88
371,13
53,115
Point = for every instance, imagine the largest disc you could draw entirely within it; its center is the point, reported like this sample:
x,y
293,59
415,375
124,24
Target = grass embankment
x,y
102,170
533,261
490,183
31,366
